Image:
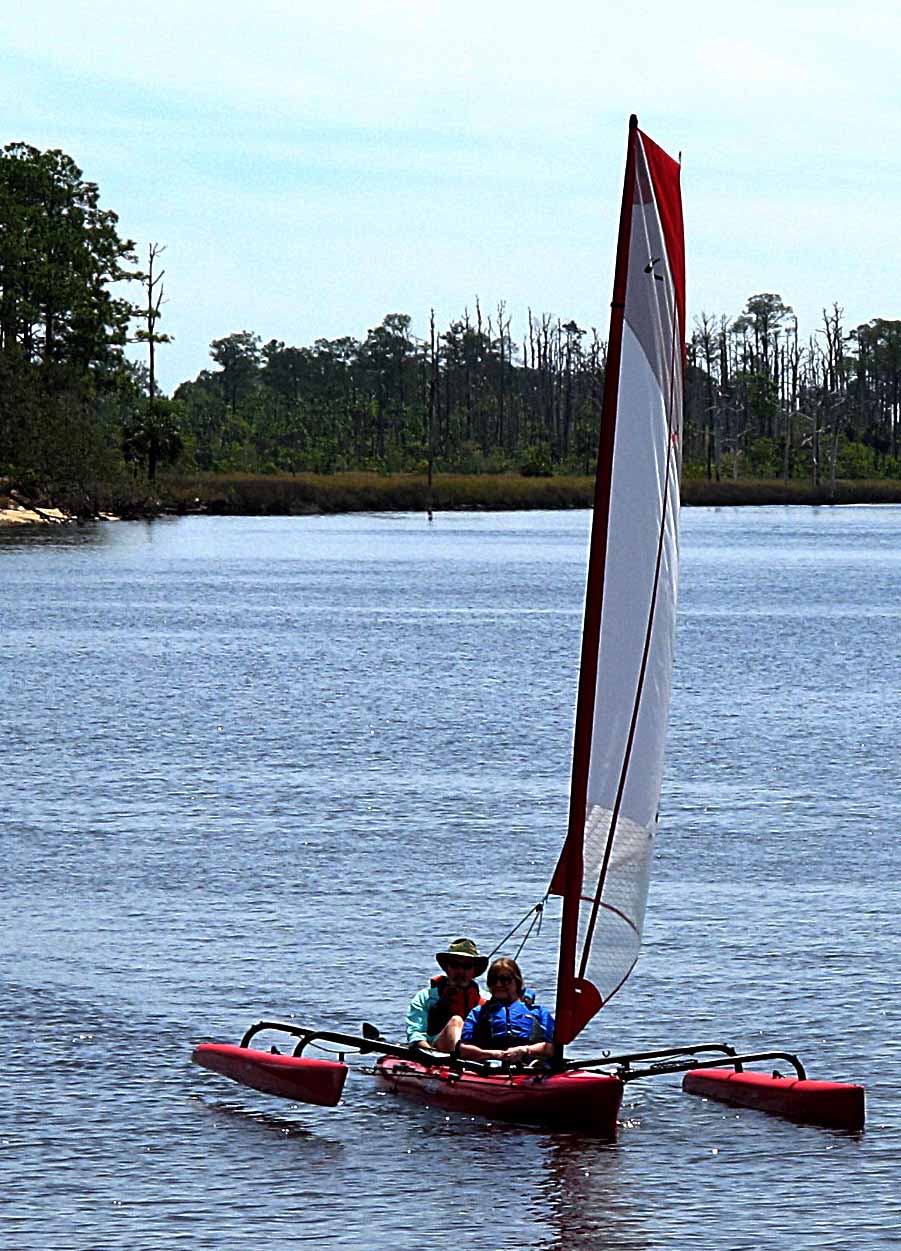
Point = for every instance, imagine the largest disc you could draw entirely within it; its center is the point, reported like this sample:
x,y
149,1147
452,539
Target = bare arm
x,y
526,1053
469,1051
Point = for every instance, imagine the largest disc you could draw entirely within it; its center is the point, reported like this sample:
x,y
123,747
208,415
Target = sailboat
x,y
622,707
628,638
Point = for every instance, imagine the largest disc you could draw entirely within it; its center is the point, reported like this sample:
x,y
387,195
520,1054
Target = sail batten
x,y
629,626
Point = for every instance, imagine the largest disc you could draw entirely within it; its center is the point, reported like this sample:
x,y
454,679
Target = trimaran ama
x,y
621,715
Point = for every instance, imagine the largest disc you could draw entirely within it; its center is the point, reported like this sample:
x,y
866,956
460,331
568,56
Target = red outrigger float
x,y
625,677
290,1077
834,1105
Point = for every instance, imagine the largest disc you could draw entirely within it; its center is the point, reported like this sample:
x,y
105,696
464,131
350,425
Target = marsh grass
x,y
775,491
288,494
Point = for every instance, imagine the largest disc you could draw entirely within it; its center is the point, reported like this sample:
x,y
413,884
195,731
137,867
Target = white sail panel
x,y
616,939
632,593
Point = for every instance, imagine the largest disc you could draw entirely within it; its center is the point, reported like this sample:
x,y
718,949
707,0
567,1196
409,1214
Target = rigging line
x,y
537,910
536,920
614,816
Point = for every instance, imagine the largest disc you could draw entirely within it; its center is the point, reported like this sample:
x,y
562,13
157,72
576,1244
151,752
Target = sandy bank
x,y
19,515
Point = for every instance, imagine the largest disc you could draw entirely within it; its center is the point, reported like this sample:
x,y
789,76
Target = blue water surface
x,y
258,767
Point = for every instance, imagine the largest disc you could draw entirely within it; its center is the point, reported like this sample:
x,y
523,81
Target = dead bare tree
x,y
150,314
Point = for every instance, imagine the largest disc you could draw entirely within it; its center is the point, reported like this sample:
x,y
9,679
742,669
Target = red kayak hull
x,y
291,1077
586,1102
835,1105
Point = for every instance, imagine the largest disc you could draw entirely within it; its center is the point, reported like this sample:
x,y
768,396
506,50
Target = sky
x,y
309,171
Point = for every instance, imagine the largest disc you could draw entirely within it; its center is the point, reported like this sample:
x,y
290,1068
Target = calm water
x,y
267,766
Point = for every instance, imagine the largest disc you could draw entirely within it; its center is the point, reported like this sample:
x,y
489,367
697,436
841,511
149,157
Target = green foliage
x,y
855,460
62,327
475,404
470,458
391,402
59,254
760,394
239,357
761,459
152,437
536,461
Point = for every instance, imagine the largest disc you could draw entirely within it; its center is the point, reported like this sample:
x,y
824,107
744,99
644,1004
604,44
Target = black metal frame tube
x,y
370,1043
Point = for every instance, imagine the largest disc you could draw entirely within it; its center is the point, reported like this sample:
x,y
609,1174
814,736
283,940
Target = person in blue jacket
x,y
509,1026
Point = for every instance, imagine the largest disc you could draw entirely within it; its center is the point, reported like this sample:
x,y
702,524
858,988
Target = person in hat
x,y
436,1014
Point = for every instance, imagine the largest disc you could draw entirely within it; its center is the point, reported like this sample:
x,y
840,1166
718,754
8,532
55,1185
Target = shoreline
x,y
319,494
34,515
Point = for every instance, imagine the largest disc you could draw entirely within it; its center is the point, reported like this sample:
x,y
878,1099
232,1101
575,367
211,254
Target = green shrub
x,y
536,461
855,460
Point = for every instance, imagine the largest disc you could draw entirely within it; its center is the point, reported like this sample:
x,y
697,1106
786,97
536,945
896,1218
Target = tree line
x,y
761,399
466,399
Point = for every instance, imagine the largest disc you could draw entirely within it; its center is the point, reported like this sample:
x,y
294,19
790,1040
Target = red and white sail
x,y
630,610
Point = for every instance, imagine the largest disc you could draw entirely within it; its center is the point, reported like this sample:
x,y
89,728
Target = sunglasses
x,y
459,964
500,978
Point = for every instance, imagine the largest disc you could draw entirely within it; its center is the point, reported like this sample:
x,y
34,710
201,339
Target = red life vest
x,y
451,1002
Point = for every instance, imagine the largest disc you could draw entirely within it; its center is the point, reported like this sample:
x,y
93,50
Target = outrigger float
x,y
622,707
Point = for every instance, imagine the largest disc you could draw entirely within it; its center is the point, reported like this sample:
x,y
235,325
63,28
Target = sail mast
x,y
568,878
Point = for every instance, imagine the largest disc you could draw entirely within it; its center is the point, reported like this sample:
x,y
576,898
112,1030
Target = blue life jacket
x,y
497,1026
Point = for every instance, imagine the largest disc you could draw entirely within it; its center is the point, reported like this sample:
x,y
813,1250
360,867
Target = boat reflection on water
x,y
287,1126
587,1197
